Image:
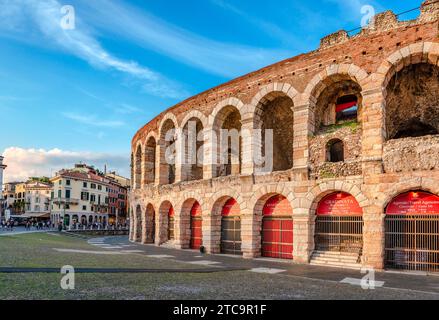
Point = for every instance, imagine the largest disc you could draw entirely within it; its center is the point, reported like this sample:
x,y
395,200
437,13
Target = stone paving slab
x,y
403,281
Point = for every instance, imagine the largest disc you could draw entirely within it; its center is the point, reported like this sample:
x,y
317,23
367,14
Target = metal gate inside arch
x,y
412,232
339,224
277,228
231,228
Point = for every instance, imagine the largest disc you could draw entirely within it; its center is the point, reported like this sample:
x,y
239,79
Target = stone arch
x,y
325,78
324,90
425,184
163,221
138,156
195,114
148,226
234,102
212,217
317,193
226,134
150,158
427,52
408,78
184,223
270,90
168,149
272,109
193,142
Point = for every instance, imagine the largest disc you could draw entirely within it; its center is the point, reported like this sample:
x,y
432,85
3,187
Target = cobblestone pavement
x,y
399,281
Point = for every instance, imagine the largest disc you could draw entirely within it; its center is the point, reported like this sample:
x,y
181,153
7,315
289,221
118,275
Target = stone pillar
x,y
179,153
182,229
210,157
250,234
248,147
373,237
303,233
211,232
373,131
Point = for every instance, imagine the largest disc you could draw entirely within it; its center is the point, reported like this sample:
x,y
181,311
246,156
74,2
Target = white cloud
x,y
24,163
46,16
150,32
92,120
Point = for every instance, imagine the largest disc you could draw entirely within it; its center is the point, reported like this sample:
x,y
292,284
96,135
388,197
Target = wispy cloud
x,y
268,27
24,163
125,108
92,120
150,32
46,16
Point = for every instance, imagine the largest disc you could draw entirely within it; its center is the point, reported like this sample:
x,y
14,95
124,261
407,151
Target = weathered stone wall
x,y
350,134
411,154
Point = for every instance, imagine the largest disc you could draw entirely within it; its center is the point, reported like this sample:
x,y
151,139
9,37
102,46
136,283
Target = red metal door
x,y
196,227
277,229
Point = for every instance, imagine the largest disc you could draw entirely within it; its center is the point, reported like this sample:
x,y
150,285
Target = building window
x,y
84,184
84,208
335,151
59,193
68,182
67,194
93,186
99,187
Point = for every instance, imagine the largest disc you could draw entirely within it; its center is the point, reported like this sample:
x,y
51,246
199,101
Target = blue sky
x,y
67,95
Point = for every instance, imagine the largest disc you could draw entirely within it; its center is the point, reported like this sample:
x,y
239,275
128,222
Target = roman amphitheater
x,y
355,174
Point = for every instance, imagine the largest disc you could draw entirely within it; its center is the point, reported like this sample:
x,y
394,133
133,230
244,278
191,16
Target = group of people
x,y
39,225
7,225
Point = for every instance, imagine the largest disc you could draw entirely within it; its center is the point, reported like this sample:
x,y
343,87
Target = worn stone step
x,y
336,264
336,253
335,259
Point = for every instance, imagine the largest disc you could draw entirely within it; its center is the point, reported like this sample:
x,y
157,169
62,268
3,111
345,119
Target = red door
x,y
277,229
196,227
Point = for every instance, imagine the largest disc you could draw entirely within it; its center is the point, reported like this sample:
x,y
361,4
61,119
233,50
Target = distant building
x,y
9,196
118,198
37,199
2,167
80,195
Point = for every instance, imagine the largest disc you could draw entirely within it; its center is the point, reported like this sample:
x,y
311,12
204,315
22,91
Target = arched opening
x,y
150,151
412,232
171,220
193,150
138,168
412,102
90,220
274,116
227,127
231,228
168,139
83,220
339,225
196,227
277,228
149,224
335,151
338,105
